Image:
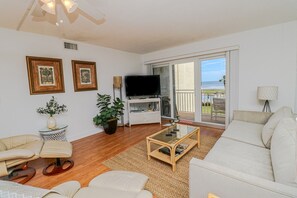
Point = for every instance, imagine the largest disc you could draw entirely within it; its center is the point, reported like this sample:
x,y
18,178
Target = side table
x,y
54,134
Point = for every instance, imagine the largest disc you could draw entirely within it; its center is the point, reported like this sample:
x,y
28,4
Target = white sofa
x,y
112,184
241,163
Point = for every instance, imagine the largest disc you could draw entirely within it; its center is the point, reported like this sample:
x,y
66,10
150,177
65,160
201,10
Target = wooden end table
x,y
171,138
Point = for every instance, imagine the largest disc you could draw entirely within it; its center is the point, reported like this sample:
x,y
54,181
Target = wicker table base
x,y
54,134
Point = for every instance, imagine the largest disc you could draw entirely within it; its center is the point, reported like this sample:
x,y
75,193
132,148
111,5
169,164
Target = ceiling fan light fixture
x,y
46,1
49,6
70,5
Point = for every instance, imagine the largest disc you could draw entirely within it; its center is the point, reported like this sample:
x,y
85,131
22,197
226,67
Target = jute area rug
x,y
163,183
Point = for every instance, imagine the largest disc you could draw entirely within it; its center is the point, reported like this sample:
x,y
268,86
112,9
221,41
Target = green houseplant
x,y
109,112
52,108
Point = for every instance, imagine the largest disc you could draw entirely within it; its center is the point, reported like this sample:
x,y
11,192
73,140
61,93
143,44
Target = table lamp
x,y
267,93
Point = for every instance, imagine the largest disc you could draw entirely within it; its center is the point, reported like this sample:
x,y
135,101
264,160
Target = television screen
x,y
148,85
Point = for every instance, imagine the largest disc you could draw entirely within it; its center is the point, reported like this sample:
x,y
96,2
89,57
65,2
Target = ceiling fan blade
x,y
29,10
69,5
36,10
87,8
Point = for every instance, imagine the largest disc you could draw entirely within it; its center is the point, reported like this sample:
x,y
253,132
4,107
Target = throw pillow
x,y
268,129
283,152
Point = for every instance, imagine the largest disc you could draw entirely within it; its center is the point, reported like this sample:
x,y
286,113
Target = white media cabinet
x,y
144,111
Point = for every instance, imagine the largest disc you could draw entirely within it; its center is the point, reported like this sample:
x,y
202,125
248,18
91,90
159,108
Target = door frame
x,y
165,64
181,61
227,87
197,83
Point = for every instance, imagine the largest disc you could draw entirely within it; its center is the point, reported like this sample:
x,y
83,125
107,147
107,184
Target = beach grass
x,y
206,109
212,91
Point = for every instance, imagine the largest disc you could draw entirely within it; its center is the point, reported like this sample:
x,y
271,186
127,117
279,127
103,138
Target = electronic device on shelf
x,y
142,85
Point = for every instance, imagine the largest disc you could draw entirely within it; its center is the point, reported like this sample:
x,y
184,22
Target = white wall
x,y
18,108
267,56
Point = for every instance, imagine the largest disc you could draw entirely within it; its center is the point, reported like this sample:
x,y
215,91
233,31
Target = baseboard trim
x,y
86,134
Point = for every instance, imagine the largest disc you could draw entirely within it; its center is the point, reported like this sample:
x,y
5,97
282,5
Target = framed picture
x,y
45,75
84,75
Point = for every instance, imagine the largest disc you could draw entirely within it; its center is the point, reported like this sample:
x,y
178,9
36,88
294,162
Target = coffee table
x,y
171,138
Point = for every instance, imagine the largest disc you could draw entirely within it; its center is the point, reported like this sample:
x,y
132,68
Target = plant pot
x,y
111,126
51,123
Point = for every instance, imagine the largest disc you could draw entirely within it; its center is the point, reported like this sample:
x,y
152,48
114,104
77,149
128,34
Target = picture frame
x,y
45,75
84,75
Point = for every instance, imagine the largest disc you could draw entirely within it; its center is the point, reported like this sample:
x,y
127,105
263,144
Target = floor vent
x,y
71,46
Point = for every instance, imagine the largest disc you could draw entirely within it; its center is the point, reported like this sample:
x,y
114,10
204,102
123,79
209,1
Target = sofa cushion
x,y
15,154
56,149
245,132
247,158
268,129
120,180
34,146
16,141
283,152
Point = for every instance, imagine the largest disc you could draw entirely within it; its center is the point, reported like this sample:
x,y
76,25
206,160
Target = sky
x,y
213,70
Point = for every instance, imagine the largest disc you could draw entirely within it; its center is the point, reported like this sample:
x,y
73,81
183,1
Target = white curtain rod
x,y
190,55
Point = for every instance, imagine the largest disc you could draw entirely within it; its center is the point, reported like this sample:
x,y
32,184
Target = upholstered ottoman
x,y
57,149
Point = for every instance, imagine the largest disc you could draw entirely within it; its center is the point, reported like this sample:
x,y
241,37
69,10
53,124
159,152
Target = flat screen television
x,y
142,85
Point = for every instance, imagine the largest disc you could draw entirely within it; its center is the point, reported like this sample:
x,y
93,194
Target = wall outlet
x,y
211,195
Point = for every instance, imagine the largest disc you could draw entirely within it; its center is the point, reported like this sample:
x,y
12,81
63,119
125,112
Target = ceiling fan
x,y
38,8
49,6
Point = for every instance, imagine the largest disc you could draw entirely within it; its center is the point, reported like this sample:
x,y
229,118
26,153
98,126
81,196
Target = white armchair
x,y
18,150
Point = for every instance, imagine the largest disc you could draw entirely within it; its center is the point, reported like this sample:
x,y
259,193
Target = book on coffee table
x,y
166,151
182,146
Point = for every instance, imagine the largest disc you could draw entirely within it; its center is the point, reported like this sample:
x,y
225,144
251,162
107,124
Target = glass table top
x,y
59,127
174,133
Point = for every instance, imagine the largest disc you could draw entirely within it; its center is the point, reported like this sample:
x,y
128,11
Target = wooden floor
x,y
90,152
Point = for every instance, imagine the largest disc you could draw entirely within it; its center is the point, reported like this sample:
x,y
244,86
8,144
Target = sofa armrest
x,y
206,177
15,154
251,116
67,189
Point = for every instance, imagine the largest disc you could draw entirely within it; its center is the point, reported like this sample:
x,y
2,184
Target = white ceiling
x,y
143,26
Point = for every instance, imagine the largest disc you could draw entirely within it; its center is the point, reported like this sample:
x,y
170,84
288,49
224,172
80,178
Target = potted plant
x,y
108,112
52,108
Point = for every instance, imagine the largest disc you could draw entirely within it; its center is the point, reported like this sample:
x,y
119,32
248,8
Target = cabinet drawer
x,y
145,117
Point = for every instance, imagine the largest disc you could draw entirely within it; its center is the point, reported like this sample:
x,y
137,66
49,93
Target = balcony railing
x,y
185,100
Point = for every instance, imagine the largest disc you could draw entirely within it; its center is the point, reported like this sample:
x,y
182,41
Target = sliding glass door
x,y
212,86
194,89
166,87
184,89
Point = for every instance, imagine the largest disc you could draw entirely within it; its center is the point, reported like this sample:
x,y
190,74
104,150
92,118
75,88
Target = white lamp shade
x,y
267,93
117,82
